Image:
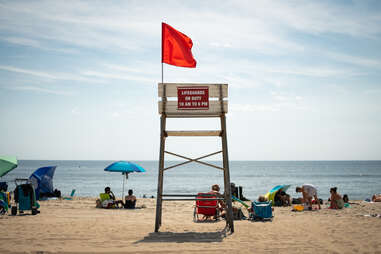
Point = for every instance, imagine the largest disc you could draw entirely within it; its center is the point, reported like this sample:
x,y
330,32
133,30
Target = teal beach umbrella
x,y
124,167
7,163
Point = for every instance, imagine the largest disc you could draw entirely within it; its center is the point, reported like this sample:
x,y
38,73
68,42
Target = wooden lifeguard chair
x,y
193,102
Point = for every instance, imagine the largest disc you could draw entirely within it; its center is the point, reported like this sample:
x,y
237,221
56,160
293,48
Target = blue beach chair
x,y
25,199
261,211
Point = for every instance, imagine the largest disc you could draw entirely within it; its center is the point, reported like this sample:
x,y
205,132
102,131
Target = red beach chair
x,y
206,207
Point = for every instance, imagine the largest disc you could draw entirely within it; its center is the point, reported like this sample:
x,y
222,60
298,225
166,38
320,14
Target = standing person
x,y
309,191
337,201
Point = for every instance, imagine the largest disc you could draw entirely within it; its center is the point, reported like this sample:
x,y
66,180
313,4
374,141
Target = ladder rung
x,y
193,133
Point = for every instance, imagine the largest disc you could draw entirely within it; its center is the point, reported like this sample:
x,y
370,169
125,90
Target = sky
x,y
79,79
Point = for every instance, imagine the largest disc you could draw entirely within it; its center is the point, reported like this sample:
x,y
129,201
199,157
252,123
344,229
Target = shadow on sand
x,y
184,237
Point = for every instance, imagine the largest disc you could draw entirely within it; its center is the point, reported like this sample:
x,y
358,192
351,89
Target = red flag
x,y
176,48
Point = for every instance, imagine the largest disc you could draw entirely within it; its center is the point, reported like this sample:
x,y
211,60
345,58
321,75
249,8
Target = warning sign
x,y
193,97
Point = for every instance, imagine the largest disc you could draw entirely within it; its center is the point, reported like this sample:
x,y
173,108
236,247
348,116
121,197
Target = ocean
x,y
358,179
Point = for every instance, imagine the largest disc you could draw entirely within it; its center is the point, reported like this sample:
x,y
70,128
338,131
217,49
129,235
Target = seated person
x,y
262,199
337,201
234,190
278,199
345,198
281,198
110,201
376,198
286,199
221,204
130,200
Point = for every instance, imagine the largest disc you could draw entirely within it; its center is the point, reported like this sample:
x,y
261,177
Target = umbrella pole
x,y
123,185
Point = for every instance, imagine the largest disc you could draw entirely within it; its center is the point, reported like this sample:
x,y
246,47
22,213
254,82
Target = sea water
x,y
358,179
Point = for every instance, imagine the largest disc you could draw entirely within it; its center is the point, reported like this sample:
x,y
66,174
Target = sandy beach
x,y
76,226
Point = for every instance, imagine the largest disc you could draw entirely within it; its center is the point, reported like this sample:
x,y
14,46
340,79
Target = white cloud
x,y
47,75
108,75
278,96
220,45
75,111
29,72
37,44
23,41
41,90
144,68
253,108
355,60
262,26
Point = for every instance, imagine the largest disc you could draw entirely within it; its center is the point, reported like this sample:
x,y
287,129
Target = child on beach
x,y
308,191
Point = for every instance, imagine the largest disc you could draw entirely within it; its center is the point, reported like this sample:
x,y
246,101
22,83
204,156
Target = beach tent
x,y
271,194
42,180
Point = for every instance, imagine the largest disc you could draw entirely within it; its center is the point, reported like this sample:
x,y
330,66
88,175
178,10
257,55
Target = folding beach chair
x,y
25,199
71,195
261,211
106,201
206,207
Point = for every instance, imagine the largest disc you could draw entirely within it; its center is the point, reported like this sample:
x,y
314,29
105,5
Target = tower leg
x,y
159,199
227,188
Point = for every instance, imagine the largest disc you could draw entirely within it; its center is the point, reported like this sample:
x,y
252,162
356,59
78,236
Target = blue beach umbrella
x,y
124,167
42,180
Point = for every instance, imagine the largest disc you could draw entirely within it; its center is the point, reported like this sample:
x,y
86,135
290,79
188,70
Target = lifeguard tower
x,y
184,100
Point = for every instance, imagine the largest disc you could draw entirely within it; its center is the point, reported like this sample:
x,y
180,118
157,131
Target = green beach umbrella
x,y
7,163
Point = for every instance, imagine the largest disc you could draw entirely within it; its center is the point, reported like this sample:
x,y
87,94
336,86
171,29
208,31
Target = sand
x,y
76,226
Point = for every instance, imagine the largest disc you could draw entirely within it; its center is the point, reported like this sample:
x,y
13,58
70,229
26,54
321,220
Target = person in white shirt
x,y
309,191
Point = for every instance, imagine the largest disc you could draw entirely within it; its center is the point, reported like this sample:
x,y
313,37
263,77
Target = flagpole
x,y
162,45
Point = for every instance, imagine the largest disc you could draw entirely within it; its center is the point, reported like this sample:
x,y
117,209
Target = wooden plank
x,y
214,89
193,133
214,109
